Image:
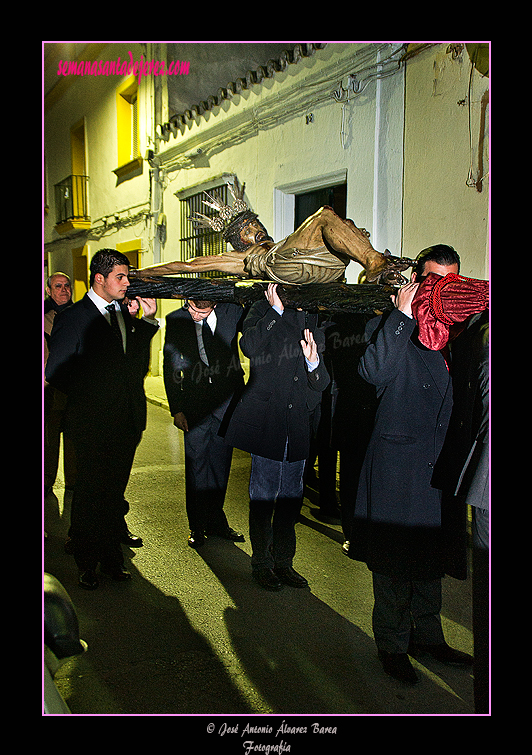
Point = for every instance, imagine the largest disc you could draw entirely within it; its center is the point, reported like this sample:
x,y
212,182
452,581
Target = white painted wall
x,y
360,139
403,143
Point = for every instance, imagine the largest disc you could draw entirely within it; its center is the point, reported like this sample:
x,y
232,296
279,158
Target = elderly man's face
x,y
254,233
60,289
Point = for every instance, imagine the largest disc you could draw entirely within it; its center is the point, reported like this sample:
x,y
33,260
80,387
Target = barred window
x,y
196,242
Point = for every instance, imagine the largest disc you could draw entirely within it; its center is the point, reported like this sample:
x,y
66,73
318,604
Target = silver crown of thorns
x,y
226,213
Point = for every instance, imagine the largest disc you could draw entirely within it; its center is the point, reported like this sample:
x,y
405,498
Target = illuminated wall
x,y
410,140
446,166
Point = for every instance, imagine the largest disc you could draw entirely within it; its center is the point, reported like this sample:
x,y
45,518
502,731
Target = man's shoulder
x,y
229,310
76,310
178,314
261,305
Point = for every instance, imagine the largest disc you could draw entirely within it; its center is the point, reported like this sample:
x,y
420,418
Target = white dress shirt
x,y
102,307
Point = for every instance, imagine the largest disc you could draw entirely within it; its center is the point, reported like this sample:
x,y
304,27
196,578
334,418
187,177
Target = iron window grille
x,y
201,242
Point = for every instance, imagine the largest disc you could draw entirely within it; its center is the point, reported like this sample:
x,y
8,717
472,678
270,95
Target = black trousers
x,y
98,503
54,411
405,611
207,468
350,467
276,495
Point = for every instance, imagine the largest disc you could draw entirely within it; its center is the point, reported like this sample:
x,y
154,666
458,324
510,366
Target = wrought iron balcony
x,y
71,205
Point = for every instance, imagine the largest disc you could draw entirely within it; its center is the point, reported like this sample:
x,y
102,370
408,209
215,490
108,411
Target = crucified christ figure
x,y
317,252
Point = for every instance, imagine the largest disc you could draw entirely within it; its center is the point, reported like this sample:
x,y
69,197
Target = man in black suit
x,y
203,378
99,356
397,525
272,422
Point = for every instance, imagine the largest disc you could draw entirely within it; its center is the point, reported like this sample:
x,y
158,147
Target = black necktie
x,y
115,327
208,340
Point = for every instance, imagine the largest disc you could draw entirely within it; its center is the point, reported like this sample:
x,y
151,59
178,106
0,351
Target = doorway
x,y
308,203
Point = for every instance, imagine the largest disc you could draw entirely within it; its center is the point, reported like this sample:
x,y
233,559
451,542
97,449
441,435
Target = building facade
x,y
392,135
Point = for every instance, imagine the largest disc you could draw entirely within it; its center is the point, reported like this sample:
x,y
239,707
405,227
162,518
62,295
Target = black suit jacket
x,y
281,393
104,385
192,387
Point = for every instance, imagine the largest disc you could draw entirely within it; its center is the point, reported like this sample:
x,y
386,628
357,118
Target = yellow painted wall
x,y
443,98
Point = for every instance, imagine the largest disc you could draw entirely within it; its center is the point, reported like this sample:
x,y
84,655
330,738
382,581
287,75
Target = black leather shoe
x,y
398,665
289,576
231,534
228,534
196,539
132,540
443,653
267,579
118,573
87,579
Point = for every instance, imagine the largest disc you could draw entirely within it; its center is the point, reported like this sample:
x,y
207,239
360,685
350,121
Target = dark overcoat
x,y
468,422
469,418
191,386
397,523
281,393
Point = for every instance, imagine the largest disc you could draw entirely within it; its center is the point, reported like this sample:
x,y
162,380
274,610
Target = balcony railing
x,y
71,200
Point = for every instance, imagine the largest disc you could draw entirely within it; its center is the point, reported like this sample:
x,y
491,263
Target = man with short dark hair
x,y
397,525
439,259
98,357
203,378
